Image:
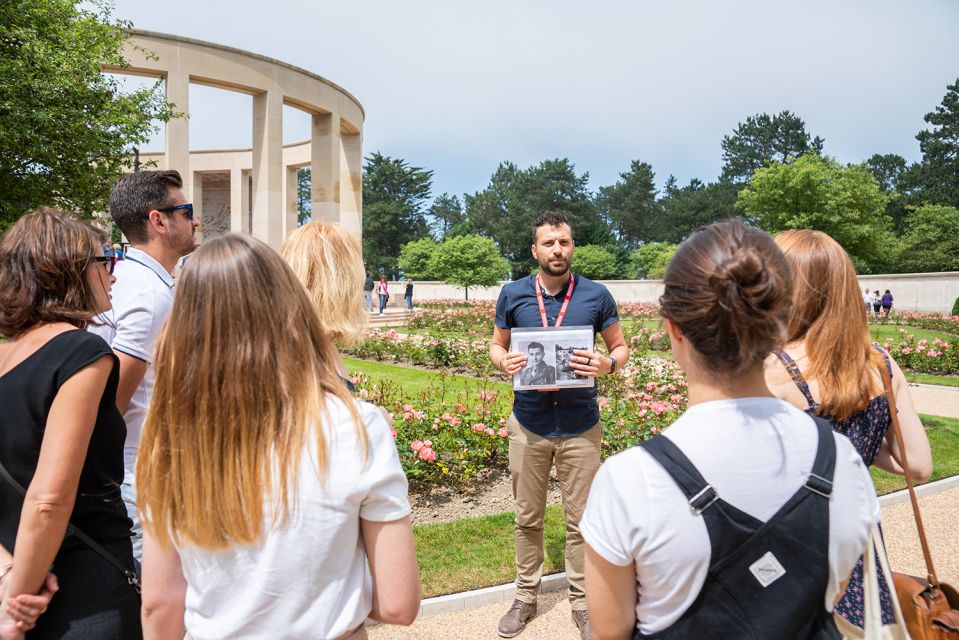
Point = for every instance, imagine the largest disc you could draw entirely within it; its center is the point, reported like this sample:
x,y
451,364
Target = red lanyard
x,y
562,310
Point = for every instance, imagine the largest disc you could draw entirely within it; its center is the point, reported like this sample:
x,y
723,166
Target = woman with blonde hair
x,y
266,489
829,368
328,260
61,439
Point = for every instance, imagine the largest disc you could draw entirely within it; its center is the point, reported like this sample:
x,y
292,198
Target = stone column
x,y
289,200
177,155
268,167
239,200
325,167
197,200
351,184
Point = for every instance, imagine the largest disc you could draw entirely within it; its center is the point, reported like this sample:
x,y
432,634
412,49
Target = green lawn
x,y
931,378
479,552
879,332
944,439
416,381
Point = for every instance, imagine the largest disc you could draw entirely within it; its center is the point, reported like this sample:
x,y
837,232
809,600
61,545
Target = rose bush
x,y
937,357
931,321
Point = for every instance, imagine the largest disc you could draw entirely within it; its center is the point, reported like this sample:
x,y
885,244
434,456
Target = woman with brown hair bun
x,y
744,517
61,438
829,368
274,503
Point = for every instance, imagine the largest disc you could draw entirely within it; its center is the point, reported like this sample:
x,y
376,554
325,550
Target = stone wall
x,y
912,291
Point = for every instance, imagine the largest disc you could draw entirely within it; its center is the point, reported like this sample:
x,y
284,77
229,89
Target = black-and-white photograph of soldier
x,y
563,355
537,371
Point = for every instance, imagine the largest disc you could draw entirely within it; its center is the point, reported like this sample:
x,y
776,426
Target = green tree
x,y
505,209
416,259
66,129
935,179
688,208
651,259
930,240
469,261
819,193
887,168
594,262
394,197
448,216
630,205
304,195
763,139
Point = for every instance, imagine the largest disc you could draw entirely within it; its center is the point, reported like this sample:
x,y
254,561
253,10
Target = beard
x,y
554,270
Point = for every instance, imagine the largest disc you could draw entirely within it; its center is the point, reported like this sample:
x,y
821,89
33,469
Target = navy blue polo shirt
x,y
567,412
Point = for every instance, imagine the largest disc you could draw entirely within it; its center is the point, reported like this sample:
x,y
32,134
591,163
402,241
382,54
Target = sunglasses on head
x,y
187,209
106,259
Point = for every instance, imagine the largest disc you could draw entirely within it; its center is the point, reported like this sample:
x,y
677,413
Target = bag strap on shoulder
x,y
129,574
900,443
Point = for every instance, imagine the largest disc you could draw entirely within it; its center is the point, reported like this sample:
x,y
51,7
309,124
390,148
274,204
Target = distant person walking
x,y
368,292
876,302
408,295
383,288
867,300
886,303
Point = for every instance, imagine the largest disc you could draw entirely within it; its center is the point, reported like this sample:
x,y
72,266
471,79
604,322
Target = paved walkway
x,y
940,514
936,400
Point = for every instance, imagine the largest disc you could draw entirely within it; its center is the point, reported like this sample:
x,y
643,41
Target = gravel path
x,y
940,514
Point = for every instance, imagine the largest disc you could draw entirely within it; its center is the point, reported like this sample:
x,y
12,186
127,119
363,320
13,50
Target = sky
x,y
458,87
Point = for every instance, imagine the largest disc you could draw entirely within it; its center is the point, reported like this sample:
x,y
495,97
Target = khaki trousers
x,y
530,459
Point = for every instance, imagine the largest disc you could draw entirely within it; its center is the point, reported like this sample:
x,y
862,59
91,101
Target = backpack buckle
x,y
703,500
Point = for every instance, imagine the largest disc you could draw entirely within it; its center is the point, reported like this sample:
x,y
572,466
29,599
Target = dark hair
x,y
729,290
135,195
43,262
535,345
551,218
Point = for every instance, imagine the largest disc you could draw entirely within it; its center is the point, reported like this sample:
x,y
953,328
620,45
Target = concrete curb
x,y
506,592
922,490
936,387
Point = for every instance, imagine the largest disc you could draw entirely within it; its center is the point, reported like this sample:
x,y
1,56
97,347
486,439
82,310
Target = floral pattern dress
x,y
866,429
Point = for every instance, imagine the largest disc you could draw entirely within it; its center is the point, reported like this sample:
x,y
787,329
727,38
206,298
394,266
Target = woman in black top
x,y
61,437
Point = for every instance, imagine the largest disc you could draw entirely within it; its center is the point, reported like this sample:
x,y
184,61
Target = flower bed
x,y
938,356
472,320
447,353
447,436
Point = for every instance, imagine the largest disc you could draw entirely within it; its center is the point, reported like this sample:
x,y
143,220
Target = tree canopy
x,y
930,241
819,193
469,261
394,201
594,262
630,205
763,139
935,179
416,259
66,129
651,259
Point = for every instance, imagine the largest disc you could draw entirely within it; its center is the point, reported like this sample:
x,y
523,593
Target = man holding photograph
x,y
553,426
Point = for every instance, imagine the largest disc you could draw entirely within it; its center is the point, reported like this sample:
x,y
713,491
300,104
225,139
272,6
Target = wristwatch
x,y
612,367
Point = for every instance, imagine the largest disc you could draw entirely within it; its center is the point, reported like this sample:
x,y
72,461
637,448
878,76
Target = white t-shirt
x,y
756,453
309,579
142,298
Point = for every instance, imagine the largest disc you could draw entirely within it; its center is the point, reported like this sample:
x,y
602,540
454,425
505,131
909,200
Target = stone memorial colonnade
x,y
254,190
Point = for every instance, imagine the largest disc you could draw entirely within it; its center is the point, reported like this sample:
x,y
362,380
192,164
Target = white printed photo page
x,y
548,351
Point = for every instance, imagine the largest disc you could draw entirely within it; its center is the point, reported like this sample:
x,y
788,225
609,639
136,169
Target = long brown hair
x,y
728,289
328,260
43,271
829,318
243,373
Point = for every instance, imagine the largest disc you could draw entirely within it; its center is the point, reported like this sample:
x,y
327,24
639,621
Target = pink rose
x,y
416,445
479,427
427,454
503,432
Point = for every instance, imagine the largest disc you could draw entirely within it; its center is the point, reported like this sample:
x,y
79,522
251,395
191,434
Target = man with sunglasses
x,y
150,209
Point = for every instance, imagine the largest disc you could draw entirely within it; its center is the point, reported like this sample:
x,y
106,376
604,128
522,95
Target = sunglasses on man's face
x,y
187,209
106,259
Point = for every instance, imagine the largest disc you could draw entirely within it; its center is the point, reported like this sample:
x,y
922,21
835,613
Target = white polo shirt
x,y
142,298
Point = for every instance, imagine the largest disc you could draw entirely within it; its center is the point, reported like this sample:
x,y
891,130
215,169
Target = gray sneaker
x,y
513,623
581,620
